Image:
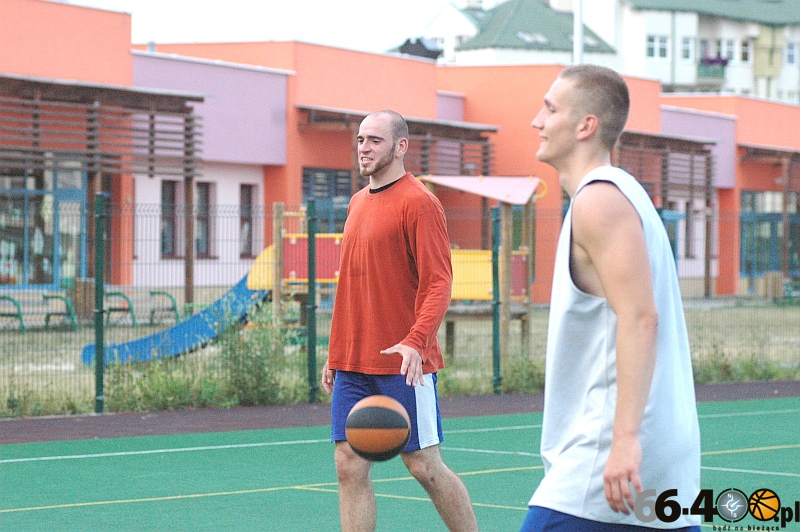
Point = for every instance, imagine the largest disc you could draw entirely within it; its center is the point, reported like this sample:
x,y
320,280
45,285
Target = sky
x,y
366,25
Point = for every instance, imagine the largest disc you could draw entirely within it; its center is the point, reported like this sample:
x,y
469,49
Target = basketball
x,y
378,428
764,504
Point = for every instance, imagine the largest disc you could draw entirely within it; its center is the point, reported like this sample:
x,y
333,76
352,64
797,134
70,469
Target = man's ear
x,y
587,126
401,147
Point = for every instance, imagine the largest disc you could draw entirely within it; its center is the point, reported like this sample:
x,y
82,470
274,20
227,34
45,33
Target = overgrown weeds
x,y
255,365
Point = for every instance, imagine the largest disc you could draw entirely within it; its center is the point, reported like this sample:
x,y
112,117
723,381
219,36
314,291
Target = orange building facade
x,y
484,112
760,213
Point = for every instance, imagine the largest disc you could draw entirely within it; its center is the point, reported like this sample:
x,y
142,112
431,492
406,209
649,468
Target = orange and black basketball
x,y
764,504
378,428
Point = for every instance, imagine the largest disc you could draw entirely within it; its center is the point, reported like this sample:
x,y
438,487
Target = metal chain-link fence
x,y
250,342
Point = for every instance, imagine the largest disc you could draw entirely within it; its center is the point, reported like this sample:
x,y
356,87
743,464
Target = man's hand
x,y
328,376
412,363
622,471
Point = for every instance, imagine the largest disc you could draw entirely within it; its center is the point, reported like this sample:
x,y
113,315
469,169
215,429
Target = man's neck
x,y
572,174
384,179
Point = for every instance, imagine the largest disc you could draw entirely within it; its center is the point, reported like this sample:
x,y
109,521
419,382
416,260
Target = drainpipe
x,y
673,37
577,32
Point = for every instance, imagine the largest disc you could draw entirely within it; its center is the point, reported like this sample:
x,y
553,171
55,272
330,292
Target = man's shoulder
x,y
416,189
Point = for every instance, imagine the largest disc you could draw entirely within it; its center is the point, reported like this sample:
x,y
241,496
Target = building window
x,y
169,219
689,231
204,238
687,48
762,232
728,52
246,194
705,49
42,222
745,51
657,46
791,53
331,191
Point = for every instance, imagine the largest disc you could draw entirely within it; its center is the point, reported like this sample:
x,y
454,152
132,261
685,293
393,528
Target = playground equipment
x,y
282,268
188,335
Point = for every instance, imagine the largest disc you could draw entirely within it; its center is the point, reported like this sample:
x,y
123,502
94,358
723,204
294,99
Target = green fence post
x,y
311,331
99,271
497,380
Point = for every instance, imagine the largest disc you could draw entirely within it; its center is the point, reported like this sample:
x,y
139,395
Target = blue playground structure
x,y
188,335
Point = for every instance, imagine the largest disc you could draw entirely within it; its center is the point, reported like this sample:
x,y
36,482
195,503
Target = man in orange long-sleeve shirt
x,y
394,289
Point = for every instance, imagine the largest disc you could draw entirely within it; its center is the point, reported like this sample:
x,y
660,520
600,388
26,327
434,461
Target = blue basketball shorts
x,y
541,519
421,403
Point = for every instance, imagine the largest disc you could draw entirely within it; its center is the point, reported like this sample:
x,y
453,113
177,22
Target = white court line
x,y
305,442
488,451
493,429
161,451
751,471
755,413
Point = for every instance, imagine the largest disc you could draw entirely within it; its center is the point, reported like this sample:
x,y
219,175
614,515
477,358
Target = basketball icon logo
x,y
764,504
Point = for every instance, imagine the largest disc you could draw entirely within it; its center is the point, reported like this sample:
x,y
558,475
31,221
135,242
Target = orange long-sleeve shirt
x,y
395,279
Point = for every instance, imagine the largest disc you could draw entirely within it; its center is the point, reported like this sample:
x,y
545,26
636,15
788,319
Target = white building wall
x,y
789,82
658,24
512,56
633,40
446,28
509,56
603,18
684,43
226,267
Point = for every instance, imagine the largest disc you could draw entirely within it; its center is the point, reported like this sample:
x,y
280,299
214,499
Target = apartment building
x,y
749,47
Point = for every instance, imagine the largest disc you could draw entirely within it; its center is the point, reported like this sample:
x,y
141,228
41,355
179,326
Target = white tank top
x,y
581,388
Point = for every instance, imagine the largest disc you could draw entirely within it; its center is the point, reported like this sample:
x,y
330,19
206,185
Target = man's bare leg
x,y
357,508
444,487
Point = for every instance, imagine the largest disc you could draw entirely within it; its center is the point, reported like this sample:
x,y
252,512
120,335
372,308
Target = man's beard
x,y
380,164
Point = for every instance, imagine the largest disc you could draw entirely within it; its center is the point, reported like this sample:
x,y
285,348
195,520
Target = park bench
x,y
65,311
791,293
119,303
15,312
50,306
165,304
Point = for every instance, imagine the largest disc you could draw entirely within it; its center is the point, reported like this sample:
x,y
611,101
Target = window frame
x,y
247,194
169,216
204,220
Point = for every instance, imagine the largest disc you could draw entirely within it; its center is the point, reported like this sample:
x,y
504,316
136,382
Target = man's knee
x,y
425,465
349,466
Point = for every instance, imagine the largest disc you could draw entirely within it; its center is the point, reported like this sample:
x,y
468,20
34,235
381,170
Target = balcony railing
x,y
711,69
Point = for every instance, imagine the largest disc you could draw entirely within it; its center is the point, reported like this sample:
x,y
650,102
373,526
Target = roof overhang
x,y
331,118
68,91
512,190
768,154
661,141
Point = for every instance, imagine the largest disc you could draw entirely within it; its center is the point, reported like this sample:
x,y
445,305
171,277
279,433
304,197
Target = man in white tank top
x,y
619,412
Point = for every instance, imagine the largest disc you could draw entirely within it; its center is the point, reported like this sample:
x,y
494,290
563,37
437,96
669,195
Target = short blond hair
x,y
604,94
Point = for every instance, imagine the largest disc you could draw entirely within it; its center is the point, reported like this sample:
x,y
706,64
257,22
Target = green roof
x,y
529,24
771,12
